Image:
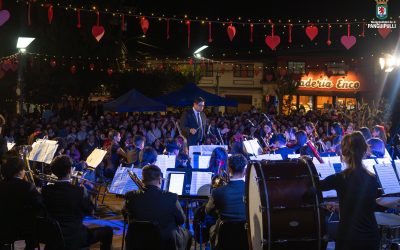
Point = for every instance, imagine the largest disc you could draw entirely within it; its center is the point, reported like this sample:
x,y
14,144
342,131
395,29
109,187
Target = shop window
x,y
206,69
306,103
297,67
243,70
348,103
324,102
337,68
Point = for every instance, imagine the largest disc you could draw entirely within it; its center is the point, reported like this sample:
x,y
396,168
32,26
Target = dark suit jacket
x,y
188,121
68,204
285,151
158,206
20,202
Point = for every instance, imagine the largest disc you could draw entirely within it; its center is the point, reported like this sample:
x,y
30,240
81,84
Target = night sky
x,y
62,37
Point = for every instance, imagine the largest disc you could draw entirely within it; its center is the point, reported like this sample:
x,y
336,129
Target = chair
x,y
232,235
49,233
143,235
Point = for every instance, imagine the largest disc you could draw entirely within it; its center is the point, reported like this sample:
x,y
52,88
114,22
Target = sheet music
x,y
204,161
397,166
10,145
270,157
121,182
324,170
384,161
252,147
33,155
50,152
204,149
176,182
164,162
201,183
387,155
369,164
293,156
388,179
43,151
95,158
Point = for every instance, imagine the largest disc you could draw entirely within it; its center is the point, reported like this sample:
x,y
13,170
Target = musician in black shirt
x,y
68,204
357,190
20,202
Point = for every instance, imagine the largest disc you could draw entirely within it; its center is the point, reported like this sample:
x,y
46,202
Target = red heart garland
x,y
384,32
231,32
14,67
348,41
144,24
312,32
98,32
50,13
53,63
273,41
6,66
109,71
73,69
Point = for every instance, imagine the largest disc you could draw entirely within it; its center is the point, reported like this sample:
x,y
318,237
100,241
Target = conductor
x,y
193,122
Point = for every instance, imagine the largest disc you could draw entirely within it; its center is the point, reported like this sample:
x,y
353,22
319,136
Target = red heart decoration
x,y
329,42
98,32
109,71
50,14
2,74
231,32
384,32
312,32
73,69
144,23
4,16
14,67
53,63
272,41
6,66
348,41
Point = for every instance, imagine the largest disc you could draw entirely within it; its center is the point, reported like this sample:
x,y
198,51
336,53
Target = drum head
x,y
255,199
388,220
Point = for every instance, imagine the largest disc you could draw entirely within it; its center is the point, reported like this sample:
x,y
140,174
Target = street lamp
x,y
389,62
197,55
22,44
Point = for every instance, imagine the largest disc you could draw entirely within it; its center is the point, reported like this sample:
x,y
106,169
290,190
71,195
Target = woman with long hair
x,y
379,132
357,189
218,161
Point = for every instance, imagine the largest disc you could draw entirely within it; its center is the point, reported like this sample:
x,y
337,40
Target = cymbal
x,y
388,220
389,202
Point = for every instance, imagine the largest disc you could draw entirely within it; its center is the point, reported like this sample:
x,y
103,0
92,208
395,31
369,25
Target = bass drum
x,y
282,203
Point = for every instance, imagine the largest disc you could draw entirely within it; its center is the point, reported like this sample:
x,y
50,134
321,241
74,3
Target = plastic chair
x,y
143,235
232,235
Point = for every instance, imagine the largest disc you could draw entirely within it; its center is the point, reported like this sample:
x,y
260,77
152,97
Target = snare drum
x,y
282,213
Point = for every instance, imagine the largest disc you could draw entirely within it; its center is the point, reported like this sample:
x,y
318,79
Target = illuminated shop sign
x,y
326,83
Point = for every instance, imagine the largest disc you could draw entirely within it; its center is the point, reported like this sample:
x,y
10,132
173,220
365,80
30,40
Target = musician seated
x,y
226,202
171,148
20,202
68,204
376,148
182,161
153,204
147,156
301,147
138,142
282,149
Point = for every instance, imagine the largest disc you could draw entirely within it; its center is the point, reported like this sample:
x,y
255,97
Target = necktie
x,y
200,125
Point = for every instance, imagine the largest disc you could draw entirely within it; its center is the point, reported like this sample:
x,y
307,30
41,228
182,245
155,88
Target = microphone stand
x,y
221,141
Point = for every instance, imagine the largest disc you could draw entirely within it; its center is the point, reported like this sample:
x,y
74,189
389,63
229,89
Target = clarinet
x,y
136,180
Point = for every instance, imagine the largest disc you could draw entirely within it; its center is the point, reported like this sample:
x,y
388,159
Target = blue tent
x,y
133,101
184,97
